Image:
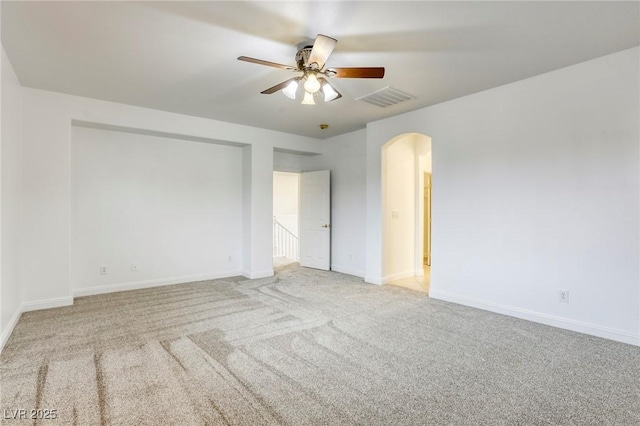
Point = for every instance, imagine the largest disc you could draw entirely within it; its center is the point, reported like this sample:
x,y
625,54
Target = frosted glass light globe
x,y
308,99
290,90
312,85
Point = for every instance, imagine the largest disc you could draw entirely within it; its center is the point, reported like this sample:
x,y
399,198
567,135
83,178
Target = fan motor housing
x,y
303,56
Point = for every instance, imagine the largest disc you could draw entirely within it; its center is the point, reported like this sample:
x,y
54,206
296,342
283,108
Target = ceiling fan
x,y
310,62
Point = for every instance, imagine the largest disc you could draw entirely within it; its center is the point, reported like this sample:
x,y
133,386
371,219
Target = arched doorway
x,y
406,177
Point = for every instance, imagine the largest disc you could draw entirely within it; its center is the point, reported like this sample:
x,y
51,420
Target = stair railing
x,y
285,243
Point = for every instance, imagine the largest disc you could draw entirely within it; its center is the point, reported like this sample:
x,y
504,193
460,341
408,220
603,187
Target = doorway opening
x,y
406,208
286,219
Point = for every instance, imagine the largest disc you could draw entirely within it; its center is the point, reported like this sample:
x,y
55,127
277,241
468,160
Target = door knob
x,y
325,226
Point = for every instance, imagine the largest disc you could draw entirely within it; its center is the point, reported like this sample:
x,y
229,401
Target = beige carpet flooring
x,y
308,347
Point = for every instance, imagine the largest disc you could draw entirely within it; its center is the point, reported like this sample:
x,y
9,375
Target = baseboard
x,y
397,276
373,280
347,270
47,304
68,301
136,285
31,306
253,275
6,333
552,320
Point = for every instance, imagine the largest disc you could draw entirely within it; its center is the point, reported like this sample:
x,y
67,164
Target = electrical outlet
x,y
103,270
134,267
563,296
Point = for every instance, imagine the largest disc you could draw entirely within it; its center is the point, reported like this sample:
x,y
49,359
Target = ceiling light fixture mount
x,y
311,61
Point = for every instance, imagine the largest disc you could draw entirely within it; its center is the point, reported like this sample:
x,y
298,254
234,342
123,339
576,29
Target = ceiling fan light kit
x,y
325,89
310,62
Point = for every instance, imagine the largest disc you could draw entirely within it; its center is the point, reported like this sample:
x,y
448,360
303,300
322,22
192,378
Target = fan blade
x,y
279,86
324,81
267,63
373,72
322,48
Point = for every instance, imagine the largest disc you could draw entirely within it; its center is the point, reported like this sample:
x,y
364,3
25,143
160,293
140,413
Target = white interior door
x,y
315,223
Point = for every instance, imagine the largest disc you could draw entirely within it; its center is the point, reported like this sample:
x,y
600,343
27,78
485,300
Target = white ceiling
x,y
181,56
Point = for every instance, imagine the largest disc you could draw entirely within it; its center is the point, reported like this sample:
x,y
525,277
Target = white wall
x,y
345,156
46,191
399,208
172,207
257,212
247,192
537,189
10,156
293,163
425,163
286,188
403,165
